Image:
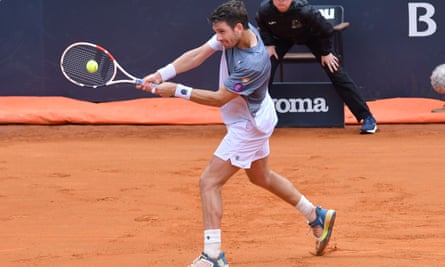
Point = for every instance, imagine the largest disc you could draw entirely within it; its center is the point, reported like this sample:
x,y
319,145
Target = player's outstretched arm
x,y
187,61
192,58
200,96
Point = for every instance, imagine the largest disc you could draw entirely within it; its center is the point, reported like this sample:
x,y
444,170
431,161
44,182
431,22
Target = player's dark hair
x,y
231,12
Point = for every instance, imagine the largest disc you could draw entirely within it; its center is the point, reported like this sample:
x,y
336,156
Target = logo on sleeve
x,y
238,87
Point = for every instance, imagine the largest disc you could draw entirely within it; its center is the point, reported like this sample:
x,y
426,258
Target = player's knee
x,y
207,184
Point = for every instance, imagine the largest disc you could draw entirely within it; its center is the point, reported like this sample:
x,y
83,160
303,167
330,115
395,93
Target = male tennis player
x,y
249,115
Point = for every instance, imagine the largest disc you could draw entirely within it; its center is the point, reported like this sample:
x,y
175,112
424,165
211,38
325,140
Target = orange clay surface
x,y
116,195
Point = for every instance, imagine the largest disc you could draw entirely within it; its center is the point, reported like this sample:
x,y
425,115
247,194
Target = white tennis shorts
x,y
243,144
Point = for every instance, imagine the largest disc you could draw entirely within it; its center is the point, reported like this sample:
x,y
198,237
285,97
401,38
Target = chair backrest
x,y
332,13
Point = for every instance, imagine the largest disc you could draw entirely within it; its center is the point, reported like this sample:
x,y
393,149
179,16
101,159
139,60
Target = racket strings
x,y
75,61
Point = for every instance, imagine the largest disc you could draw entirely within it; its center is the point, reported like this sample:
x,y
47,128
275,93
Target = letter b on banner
x,y
426,18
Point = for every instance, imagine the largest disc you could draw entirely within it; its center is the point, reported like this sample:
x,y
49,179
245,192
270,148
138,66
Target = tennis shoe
x,y
322,228
205,261
369,125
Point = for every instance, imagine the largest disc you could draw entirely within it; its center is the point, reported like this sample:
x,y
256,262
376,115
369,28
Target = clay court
x,y
127,195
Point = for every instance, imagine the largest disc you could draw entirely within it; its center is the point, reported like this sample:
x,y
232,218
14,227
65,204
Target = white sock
x,y
212,242
307,209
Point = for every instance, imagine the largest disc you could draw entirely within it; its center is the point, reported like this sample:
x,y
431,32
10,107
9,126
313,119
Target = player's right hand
x,y
166,89
149,82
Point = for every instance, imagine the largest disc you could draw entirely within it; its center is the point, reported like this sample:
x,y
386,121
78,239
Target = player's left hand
x,y
166,89
331,62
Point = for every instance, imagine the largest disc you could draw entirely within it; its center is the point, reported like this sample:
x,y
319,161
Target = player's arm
x,y
187,61
201,96
192,58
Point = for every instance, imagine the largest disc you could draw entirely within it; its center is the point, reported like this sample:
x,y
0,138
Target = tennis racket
x,y
75,58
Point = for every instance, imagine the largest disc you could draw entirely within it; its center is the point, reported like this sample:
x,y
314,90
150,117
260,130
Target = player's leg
x,y
260,175
212,179
321,220
211,182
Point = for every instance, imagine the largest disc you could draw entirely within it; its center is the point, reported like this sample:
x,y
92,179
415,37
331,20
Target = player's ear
x,y
238,27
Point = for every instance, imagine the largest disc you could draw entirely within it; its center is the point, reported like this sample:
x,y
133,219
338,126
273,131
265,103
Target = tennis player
x,y
249,115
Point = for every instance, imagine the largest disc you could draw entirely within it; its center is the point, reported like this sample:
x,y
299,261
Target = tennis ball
x,y
92,66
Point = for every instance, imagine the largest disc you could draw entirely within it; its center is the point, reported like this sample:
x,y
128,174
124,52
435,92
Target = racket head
x,y
74,60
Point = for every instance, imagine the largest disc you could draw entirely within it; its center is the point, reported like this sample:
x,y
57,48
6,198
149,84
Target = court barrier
x,y
153,111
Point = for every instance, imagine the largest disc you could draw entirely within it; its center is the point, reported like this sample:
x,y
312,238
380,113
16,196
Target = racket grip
x,y
140,82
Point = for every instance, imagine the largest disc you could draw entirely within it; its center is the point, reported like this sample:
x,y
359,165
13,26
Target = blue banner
x,y
390,49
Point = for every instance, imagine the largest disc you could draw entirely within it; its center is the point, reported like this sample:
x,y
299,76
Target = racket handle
x,y
140,82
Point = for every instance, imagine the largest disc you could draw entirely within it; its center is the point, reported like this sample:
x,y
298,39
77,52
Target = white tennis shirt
x,y
247,73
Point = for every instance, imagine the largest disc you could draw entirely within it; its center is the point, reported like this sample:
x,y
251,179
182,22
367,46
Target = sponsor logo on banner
x,y
301,105
421,19
327,13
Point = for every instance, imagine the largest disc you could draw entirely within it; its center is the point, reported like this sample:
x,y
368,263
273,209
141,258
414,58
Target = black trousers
x,y
343,84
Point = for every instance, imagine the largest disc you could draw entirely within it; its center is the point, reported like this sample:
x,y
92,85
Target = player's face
x,y
282,5
228,37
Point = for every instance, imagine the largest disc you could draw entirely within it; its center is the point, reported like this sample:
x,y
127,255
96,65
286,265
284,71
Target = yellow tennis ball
x,y
92,66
